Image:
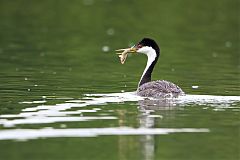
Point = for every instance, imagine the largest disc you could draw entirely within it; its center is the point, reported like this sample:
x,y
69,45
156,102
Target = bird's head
x,y
146,46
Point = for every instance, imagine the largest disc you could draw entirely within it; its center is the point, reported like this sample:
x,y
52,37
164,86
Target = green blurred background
x,y
66,48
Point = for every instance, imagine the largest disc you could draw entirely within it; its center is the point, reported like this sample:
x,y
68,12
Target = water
x,y
64,94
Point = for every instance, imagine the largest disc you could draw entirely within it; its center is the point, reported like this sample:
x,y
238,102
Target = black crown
x,y
151,43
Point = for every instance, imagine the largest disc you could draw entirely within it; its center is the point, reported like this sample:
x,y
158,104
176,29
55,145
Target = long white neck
x,y
152,59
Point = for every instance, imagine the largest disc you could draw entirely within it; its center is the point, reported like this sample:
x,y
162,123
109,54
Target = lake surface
x,y
65,95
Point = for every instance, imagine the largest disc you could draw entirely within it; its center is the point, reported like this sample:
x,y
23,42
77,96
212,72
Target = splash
x,y
70,110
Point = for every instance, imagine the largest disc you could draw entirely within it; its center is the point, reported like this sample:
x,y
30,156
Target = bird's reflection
x,y
146,143
157,104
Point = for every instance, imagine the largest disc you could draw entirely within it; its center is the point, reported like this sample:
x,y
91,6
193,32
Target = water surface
x,y
64,94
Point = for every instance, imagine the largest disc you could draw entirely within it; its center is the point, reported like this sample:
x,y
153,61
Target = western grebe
x,y
146,87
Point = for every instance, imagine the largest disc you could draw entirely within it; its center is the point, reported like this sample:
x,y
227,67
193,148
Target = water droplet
x,y
25,78
42,54
110,31
195,87
228,44
29,89
35,85
214,54
88,2
105,48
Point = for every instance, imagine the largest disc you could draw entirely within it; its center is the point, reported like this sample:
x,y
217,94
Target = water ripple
x,y
42,114
25,134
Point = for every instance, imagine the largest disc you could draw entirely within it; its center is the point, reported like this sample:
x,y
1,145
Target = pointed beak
x,y
133,49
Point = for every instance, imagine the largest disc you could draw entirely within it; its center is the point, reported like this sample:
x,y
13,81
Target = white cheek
x,y
143,50
149,51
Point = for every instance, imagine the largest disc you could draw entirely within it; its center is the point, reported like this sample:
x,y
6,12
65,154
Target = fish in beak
x,y
124,53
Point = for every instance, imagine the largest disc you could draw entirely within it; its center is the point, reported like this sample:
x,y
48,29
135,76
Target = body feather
x,y
159,89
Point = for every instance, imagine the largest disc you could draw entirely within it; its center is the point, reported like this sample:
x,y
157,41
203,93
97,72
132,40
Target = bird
x,y
146,87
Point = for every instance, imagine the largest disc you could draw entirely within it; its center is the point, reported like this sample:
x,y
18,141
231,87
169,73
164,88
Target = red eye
x,y
139,46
